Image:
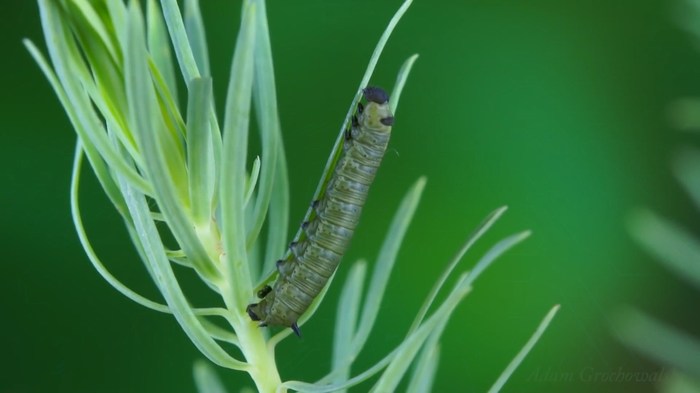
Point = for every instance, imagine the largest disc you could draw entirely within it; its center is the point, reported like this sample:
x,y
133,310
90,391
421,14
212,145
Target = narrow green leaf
x,y
159,47
87,246
188,66
117,14
513,365
148,125
426,368
102,81
494,252
200,162
205,378
254,253
171,134
385,263
112,106
471,239
265,96
252,181
99,72
96,24
180,261
659,341
218,333
236,124
346,321
103,175
686,167
196,35
278,217
426,364
675,247
178,35
66,61
413,342
400,82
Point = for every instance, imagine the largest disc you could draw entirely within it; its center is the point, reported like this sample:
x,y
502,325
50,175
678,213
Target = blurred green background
x,y
558,109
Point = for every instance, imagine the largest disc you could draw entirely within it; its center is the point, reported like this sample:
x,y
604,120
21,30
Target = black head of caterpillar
x,y
314,258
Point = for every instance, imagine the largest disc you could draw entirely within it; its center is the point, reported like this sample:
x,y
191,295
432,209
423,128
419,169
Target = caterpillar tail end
x,y
296,329
251,313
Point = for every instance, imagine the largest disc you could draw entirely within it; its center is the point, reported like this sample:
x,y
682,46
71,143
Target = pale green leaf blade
x,y
189,68
68,65
252,181
401,82
265,96
426,364
194,26
346,321
205,378
200,161
410,345
413,342
87,246
278,217
95,22
117,14
159,47
672,245
473,237
659,341
178,35
103,175
385,262
426,368
494,253
233,178
687,169
503,378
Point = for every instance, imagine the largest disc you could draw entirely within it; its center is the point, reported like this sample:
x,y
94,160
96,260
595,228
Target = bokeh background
x,y
558,109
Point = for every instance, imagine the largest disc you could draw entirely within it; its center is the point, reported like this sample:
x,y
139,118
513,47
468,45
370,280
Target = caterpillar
x,y
313,259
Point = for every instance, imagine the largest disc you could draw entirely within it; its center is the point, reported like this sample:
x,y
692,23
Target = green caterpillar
x,y
313,260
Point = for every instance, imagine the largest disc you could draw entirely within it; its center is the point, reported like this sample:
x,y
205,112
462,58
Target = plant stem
x,y
263,368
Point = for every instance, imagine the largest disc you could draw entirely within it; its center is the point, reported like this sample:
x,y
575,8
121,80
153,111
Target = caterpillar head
x,y
376,114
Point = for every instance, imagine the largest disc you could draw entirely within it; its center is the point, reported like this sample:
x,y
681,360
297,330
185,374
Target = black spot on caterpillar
x,y
264,291
314,259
